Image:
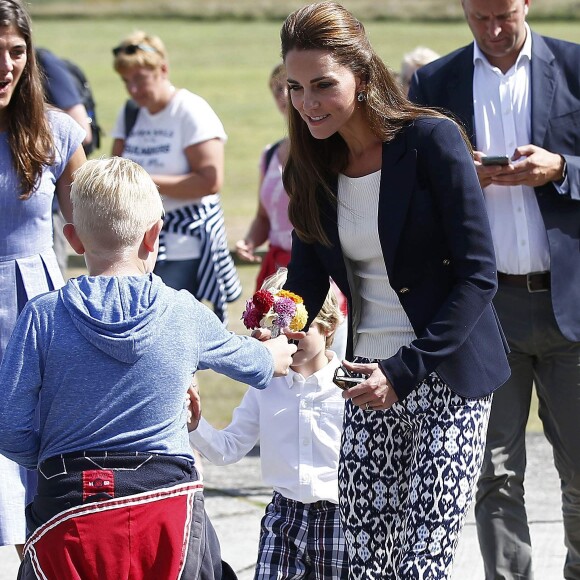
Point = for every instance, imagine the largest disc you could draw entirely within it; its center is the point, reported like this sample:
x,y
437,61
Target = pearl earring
x,y
361,97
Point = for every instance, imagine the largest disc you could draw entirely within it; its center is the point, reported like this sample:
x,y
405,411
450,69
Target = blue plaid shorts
x,y
301,540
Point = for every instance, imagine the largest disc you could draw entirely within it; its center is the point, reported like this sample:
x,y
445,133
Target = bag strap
x,y
270,153
131,114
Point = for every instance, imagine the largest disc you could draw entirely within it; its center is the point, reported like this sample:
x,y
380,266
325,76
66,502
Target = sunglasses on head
x,y
344,379
132,49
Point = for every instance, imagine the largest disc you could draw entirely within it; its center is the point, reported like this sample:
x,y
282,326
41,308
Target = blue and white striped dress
x,y
28,267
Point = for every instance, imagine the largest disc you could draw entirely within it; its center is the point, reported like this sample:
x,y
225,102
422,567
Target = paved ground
x,y
236,500
237,518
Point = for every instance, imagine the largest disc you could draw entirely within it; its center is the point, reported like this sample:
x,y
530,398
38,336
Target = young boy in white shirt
x,y
298,421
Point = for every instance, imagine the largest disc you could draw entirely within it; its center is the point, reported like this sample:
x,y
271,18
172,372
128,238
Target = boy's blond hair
x,y
114,202
151,59
329,316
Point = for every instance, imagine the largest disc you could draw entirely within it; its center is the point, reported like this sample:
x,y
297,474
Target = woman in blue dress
x,y
40,149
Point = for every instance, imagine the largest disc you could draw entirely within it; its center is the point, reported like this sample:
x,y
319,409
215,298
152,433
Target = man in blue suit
x,y
518,95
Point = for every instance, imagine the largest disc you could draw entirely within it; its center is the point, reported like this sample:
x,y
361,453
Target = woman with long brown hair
x,y
385,200
39,151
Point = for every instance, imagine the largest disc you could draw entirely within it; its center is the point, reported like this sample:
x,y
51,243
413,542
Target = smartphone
x,y
345,383
495,160
344,379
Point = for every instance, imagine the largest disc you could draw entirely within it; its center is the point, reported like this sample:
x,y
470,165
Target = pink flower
x,y
251,316
274,310
285,308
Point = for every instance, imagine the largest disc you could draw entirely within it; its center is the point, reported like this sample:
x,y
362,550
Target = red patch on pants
x,y
98,481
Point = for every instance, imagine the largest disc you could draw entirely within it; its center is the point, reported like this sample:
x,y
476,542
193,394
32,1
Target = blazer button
x,y
446,262
404,290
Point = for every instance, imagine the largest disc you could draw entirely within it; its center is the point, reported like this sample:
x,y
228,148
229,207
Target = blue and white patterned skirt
x,y
406,480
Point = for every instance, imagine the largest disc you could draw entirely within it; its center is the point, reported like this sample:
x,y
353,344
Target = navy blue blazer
x,y
555,98
438,252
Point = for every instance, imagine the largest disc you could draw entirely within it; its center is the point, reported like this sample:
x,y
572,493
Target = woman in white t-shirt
x,y
177,137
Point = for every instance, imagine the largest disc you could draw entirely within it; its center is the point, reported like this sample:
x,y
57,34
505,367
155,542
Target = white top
x,y
158,142
299,424
381,326
502,105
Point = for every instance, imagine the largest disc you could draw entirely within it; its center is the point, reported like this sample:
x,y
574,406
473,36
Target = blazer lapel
x,y
398,177
460,92
329,216
543,87
332,256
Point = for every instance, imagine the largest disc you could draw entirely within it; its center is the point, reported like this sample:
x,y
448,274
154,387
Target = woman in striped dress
x,y
39,151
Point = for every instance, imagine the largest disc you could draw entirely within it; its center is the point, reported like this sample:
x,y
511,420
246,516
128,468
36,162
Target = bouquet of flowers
x,y
275,310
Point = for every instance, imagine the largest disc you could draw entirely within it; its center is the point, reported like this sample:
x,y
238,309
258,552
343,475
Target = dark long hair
x,y
313,163
29,135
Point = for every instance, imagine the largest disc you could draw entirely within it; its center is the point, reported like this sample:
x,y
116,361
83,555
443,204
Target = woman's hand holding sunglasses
x,y
366,385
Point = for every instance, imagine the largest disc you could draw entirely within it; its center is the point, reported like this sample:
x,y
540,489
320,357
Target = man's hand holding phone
x,y
532,166
495,160
489,166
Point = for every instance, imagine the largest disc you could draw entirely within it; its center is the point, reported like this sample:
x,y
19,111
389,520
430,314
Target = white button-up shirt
x,y
502,106
299,424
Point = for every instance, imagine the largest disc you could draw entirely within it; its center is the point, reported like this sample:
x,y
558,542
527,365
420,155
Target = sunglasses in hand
x,y
344,379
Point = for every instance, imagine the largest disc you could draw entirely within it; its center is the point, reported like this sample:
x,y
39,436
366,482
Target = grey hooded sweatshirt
x,y
107,360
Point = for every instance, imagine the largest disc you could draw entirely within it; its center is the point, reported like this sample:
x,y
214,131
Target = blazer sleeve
x,y
446,166
572,183
307,276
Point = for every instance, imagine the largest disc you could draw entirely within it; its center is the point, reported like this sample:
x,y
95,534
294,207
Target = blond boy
x,y
106,362
298,420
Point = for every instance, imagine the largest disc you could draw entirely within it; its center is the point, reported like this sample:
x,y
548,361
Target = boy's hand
x,y
262,334
193,406
282,353
294,336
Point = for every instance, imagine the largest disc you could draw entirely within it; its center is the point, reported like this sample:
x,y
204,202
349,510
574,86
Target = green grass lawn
x,y
365,10
228,63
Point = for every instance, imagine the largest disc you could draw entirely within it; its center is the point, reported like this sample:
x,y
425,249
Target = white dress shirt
x,y
502,106
299,424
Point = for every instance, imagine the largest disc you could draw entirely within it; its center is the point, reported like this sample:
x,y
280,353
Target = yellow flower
x,y
300,318
286,294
